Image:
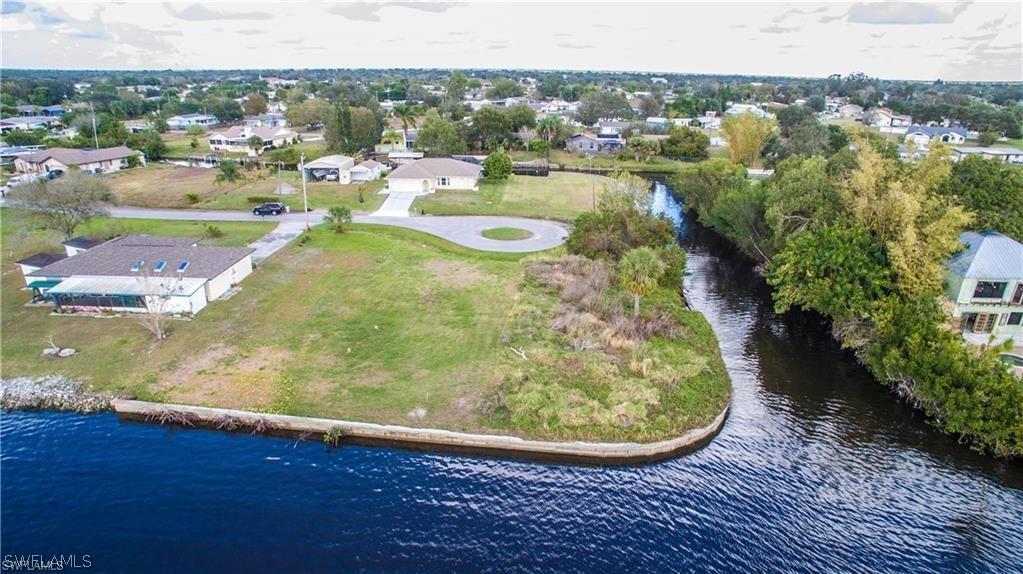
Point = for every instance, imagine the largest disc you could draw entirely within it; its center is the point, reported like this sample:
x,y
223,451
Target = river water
x,y
818,469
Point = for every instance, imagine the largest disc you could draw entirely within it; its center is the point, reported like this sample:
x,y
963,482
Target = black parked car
x,y
271,208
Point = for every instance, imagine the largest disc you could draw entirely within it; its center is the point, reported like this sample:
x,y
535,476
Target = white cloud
x,y
727,40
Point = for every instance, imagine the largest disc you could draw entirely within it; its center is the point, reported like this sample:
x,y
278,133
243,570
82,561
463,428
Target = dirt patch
x,y
224,377
456,274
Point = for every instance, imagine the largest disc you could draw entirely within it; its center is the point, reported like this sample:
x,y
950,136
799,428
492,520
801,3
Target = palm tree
x,y
256,144
407,114
229,172
639,270
548,128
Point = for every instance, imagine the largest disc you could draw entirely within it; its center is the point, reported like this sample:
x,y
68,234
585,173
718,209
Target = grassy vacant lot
x,y
163,185
374,325
561,196
562,157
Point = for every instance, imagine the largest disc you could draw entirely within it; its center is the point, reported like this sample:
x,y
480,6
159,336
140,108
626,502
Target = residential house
x,y
924,136
850,111
404,157
9,153
885,118
368,170
103,160
404,141
27,123
76,245
183,122
32,264
739,109
140,274
330,168
985,285
1002,154
434,173
236,139
590,144
267,120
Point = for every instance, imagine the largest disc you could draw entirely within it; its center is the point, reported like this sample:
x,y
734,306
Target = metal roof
x,y
331,162
988,255
85,285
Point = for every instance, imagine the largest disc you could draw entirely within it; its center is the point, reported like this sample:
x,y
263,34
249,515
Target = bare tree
x,y
160,291
65,203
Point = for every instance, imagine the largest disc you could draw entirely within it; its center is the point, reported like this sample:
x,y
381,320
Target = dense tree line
x,y
862,238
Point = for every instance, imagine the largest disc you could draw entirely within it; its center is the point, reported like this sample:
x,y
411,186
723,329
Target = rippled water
x,y
817,469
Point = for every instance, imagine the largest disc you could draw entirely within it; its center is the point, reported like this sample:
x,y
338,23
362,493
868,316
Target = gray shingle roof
x,y
431,167
988,255
69,156
82,242
932,131
115,258
41,259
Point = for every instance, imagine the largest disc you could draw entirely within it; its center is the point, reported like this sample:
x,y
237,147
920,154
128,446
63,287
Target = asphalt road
x,y
464,230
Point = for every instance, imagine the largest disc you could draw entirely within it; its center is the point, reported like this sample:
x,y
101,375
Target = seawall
x,y
424,439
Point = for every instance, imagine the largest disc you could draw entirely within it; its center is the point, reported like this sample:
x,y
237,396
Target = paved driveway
x,y
464,230
397,204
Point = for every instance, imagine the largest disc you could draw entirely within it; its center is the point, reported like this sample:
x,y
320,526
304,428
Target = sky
x,y
964,41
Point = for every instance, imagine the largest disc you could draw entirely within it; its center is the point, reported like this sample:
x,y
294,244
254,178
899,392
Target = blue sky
x,y
952,40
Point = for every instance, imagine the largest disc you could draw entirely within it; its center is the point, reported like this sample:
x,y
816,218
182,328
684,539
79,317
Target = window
x,y
137,266
989,290
1017,298
159,266
1015,319
182,266
443,181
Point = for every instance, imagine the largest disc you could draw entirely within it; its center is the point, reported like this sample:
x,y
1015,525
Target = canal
x,y
817,469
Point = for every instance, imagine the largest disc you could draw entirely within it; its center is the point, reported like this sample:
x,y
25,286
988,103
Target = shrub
x,y
212,231
192,198
260,199
498,165
338,217
985,139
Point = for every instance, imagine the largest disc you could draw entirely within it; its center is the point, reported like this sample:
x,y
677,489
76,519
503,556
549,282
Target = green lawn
x,y
163,185
367,325
561,196
562,157
506,233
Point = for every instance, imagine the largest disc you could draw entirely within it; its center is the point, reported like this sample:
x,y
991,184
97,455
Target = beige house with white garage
x,y
141,274
434,173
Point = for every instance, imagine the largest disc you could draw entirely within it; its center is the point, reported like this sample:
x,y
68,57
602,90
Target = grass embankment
x,y
560,196
373,325
162,185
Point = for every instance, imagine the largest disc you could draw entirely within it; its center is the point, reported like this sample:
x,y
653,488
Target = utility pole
x,y
95,136
305,197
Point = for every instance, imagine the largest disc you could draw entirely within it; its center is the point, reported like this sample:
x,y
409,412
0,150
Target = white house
x,y
1002,154
236,139
186,121
430,174
586,143
139,274
27,123
330,168
103,160
267,120
850,111
368,170
924,136
985,284
739,109
885,118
